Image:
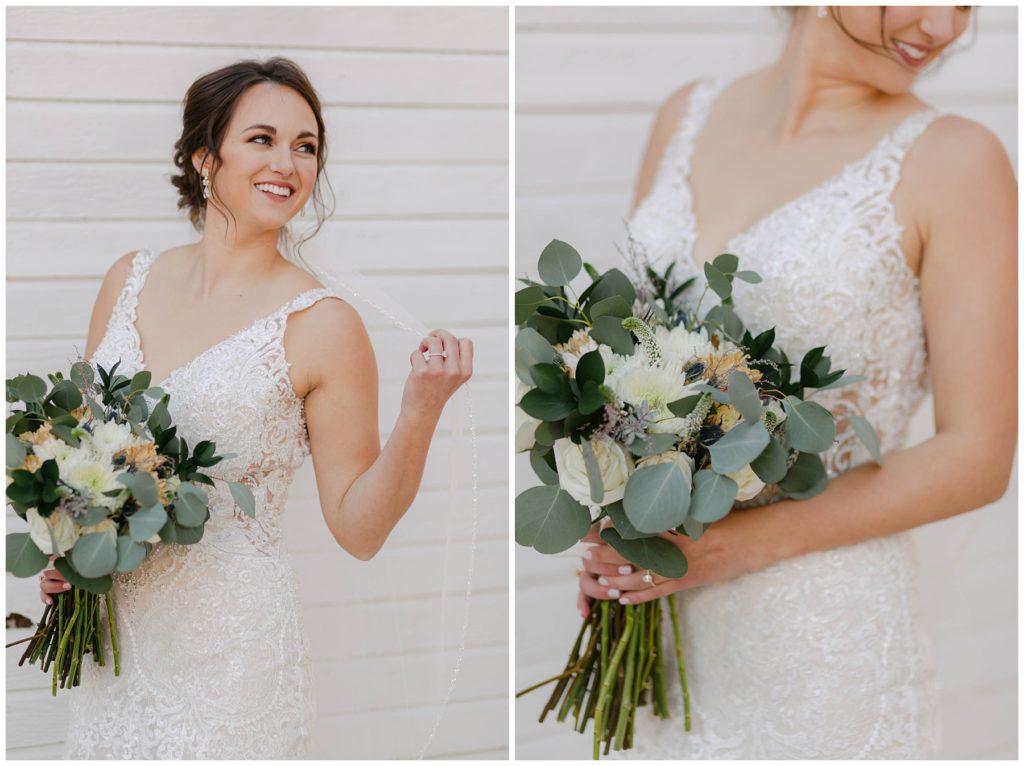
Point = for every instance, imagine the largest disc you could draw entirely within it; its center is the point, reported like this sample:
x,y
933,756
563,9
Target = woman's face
x,y
914,35
268,158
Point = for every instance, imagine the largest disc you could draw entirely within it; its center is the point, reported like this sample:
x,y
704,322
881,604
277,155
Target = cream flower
x,y
612,461
65,530
748,483
110,437
93,478
526,426
573,349
678,346
637,383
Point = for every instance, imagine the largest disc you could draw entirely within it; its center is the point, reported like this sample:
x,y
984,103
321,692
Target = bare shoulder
x,y
666,123
113,282
324,341
961,167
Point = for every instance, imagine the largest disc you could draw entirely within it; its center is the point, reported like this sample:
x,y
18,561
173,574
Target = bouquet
x,y
101,477
646,419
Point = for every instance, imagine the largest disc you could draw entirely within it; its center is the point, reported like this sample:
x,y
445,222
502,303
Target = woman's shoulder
x,y
955,153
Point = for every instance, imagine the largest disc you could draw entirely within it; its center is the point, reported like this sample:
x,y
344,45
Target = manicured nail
x,y
49,601
624,600
66,586
625,569
588,555
613,593
602,580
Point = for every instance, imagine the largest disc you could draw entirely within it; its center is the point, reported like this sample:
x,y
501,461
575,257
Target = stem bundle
x,y
615,666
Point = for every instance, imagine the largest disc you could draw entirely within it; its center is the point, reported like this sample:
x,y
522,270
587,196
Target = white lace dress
x,y
214,658
818,656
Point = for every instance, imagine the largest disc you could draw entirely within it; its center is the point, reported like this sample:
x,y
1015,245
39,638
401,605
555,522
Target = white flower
x,y
681,460
65,530
748,483
110,437
679,345
612,461
573,349
92,478
526,426
54,449
636,383
773,413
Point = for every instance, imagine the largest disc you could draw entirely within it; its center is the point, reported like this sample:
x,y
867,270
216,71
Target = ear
x,y
199,157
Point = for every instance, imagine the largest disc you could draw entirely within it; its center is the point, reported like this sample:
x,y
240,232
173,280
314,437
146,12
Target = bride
x,y
262,359
887,232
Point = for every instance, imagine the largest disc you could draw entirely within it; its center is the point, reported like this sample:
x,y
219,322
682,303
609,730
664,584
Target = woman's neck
x,y
230,262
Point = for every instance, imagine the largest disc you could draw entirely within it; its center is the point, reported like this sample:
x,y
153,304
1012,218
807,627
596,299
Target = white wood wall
x,y
588,82
416,103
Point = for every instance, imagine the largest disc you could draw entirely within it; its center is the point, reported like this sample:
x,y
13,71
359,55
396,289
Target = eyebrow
x,y
273,130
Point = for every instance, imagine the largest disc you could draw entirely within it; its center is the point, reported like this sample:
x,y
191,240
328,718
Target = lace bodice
x,y
834,274
819,656
214,658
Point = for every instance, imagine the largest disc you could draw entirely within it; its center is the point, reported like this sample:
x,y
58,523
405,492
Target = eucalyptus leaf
x,y
30,388
844,380
809,426
683,407
770,465
146,522
654,553
66,396
92,515
549,520
866,433
692,528
722,397
143,488
739,447
713,496
609,331
559,263
657,498
725,317
190,506
613,282
95,555
545,406
188,535
805,478
726,263
593,472
744,397
614,306
622,523
652,444
16,451
140,382
531,348
91,584
550,378
748,276
129,554
82,374
24,558
243,498
717,281
544,472
527,301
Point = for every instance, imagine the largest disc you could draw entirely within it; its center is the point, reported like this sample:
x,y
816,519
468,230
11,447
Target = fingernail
x,y
49,601
613,593
625,569
66,586
602,580
588,555
624,600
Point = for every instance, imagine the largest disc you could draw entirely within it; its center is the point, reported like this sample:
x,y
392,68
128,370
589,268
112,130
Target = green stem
x,y
626,706
606,679
680,660
109,598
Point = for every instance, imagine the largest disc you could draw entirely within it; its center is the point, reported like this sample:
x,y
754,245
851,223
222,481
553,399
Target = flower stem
x,y
607,677
109,598
680,660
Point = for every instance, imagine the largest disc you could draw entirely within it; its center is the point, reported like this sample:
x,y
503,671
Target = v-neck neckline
x,y
687,175
137,337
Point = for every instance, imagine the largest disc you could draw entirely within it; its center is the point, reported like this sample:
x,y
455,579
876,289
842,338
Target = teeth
x,y
914,53
281,191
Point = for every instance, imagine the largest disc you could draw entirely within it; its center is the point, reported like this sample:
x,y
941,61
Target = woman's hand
x,y
434,378
51,581
736,545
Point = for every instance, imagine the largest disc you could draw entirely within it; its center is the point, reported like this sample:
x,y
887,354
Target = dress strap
x,y
306,299
675,164
886,160
128,299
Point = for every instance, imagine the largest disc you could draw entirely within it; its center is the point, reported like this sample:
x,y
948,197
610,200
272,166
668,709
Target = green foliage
x,y
549,519
713,496
24,558
559,263
739,447
95,555
654,553
657,498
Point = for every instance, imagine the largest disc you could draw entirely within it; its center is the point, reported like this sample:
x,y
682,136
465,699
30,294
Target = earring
x,y
206,183
822,11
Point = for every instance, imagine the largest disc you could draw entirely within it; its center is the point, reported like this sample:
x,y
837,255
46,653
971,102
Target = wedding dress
x,y
214,658
819,656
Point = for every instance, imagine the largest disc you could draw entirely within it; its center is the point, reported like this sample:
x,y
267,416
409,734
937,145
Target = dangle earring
x,y
822,11
206,183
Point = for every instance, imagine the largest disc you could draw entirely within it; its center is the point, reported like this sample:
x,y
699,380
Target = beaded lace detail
x,y
818,656
214,658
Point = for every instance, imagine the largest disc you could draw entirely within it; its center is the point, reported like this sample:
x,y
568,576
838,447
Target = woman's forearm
x,y
378,499
937,479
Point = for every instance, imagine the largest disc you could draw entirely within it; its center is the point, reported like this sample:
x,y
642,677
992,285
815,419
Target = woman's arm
x,y
968,290
665,125
365,490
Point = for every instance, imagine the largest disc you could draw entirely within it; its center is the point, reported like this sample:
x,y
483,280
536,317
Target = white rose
x,y
65,530
612,461
748,483
526,426
681,460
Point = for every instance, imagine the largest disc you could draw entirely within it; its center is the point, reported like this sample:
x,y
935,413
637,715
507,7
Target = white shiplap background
x,y
416,103
588,82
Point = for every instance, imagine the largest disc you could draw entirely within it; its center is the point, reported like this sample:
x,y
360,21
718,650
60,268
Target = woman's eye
x,y
255,138
312,148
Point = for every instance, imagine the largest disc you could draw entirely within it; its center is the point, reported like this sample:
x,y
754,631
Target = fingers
x,y
606,554
598,566
592,588
634,581
433,347
649,594
51,581
583,605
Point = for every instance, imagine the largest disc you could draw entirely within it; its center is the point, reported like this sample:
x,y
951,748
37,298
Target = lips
x,y
914,55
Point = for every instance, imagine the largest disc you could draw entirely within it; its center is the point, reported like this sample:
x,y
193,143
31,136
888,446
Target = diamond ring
x,y
648,578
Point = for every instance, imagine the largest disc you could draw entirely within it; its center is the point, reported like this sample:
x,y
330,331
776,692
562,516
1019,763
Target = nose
x,y
937,24
281,161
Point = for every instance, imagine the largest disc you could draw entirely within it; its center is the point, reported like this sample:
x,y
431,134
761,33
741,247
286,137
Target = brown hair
x,y
207,109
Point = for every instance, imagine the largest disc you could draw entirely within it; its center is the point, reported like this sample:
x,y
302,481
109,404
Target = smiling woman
x,y
215,660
